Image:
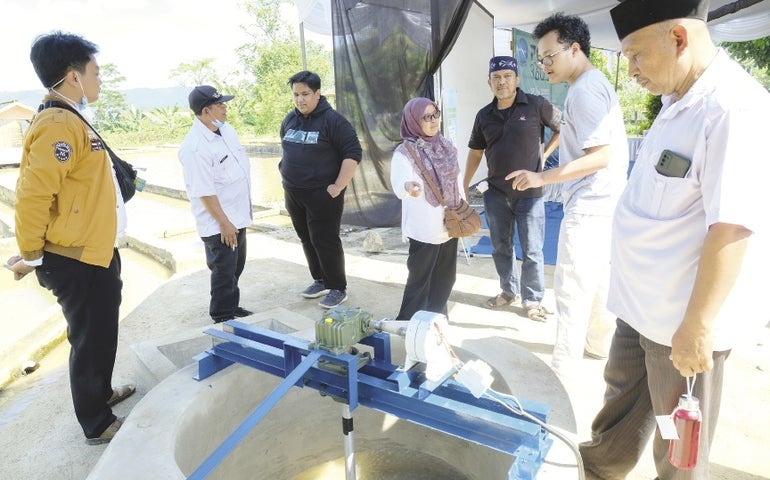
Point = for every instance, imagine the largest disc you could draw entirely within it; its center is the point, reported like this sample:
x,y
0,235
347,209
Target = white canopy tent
x,y
463,70
747,24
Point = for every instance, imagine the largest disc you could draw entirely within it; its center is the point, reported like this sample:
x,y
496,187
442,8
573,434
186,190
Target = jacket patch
x,y
62,151
96,142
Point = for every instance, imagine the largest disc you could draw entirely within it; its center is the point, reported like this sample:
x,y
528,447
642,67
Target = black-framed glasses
x,y
547,61
432,116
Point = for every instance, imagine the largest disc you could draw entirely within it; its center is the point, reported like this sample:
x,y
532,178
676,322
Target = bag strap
x,y
56,103
425,175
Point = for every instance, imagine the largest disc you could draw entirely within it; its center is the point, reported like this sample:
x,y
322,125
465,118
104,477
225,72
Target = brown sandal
x,y
537,313
121,393
501,300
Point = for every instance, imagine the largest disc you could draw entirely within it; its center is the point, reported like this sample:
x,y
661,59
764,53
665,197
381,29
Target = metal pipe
x,y
350,452
386,325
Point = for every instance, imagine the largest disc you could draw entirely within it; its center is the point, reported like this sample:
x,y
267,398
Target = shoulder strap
x,y
56,103
424,173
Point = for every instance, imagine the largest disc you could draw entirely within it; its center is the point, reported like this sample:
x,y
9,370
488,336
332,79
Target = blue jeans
x,y
528,214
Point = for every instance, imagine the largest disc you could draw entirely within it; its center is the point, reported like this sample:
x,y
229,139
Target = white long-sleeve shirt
x,y
419,220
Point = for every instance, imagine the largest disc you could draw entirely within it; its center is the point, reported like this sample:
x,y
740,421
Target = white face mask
x,y
218,123
84,108
83,104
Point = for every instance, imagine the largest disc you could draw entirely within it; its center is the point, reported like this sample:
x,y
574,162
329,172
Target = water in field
x,y
161,167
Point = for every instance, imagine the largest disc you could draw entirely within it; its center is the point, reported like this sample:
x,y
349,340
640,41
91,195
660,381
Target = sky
x,y
145,39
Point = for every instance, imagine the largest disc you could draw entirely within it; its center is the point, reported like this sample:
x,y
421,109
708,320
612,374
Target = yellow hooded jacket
x,y
65,195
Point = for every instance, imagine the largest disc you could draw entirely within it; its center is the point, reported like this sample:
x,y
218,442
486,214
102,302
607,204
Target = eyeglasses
x,y
432,116
547,61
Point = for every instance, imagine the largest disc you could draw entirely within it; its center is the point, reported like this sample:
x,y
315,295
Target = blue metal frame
x,y
447,406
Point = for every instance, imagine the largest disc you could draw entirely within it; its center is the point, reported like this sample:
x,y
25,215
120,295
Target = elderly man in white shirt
x,y
689,238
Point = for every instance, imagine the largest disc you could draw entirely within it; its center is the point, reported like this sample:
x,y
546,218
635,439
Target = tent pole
x,y
302,44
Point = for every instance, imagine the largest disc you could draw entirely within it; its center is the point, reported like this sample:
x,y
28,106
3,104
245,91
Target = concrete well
x,y
181,421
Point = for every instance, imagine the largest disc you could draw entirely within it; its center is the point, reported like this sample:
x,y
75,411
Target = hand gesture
x,y
413,188
524,179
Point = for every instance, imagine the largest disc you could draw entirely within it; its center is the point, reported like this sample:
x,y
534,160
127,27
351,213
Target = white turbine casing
x,y
425,342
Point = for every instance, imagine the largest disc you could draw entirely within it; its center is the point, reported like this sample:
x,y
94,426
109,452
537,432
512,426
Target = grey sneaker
x,y
315,290
334,298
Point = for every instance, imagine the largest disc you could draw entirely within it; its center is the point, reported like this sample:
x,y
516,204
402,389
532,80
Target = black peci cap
x,y
632,15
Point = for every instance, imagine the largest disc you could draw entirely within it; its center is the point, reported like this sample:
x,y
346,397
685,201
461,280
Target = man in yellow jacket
x,y
69,214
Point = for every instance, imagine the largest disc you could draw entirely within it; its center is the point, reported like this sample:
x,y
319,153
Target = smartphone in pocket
x,y
672,164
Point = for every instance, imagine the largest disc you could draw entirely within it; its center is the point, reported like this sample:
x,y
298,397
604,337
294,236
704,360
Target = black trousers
x,y
226,266
90,299
316,217
432,272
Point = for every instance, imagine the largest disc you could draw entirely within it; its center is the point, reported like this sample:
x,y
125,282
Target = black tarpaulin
x,y
386,52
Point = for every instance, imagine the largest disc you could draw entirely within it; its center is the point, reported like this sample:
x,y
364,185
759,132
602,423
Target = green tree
x,y
112,102
756,50
637,104
269,60
201,72
170,120
601,60
754,55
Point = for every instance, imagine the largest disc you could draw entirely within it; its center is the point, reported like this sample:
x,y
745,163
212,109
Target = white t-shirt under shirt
x,y
661,222
216,165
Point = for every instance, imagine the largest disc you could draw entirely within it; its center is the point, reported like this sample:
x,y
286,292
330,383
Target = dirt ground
x,y
39,437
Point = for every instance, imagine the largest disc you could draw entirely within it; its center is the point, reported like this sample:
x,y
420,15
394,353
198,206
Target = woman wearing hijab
x,y
432,261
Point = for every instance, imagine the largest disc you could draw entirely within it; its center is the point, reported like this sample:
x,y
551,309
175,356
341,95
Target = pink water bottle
x,y
683,453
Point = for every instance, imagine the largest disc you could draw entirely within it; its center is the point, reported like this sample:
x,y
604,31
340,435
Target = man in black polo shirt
x,y
509,133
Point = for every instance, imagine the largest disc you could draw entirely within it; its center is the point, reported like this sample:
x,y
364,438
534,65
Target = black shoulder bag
x,y
124,171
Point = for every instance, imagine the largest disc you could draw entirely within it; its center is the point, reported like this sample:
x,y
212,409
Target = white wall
x,y
463,81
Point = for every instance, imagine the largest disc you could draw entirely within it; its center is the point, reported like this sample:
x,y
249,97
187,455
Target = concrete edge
x,y
159,358
34,345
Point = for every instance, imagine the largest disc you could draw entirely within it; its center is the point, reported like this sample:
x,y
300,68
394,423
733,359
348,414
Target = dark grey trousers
x,y
642,383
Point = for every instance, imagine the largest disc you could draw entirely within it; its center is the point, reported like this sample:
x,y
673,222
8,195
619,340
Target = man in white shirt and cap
x,y
218,183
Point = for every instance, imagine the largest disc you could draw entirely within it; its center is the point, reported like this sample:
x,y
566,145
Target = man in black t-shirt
x,y
509,133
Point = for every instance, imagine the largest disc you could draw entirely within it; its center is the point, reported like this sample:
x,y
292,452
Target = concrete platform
x,y
40,438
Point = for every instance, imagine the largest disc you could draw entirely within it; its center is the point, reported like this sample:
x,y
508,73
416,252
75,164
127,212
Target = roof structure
x,y
747,23
15,111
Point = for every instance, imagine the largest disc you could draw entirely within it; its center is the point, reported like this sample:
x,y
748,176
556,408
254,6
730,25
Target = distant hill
x,y
141,98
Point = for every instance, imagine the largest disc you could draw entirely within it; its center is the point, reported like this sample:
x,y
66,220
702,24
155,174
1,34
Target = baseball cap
x,y
204,95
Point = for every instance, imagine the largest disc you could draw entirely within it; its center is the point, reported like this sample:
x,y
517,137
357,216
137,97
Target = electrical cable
x,y
519,410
